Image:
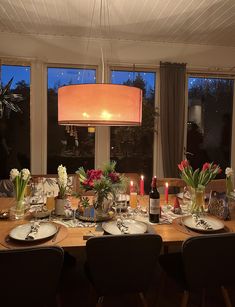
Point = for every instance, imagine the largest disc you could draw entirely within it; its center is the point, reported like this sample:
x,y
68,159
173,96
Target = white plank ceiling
x,y
210,22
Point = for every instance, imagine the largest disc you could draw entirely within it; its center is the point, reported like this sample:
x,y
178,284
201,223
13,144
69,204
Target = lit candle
x,y
166,192
141,185
131,186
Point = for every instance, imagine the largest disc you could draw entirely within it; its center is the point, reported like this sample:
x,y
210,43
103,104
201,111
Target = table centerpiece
x,y
197,180
105,184
20,180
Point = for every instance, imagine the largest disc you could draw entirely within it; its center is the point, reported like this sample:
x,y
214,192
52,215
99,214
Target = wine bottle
x,y
154,202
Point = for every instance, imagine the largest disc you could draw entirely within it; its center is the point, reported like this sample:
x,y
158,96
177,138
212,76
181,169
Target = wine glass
x,y
37,194
120,202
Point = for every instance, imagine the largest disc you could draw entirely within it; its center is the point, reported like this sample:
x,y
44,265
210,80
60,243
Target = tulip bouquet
x,y
199,177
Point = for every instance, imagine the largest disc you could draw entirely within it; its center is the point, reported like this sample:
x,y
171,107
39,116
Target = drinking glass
x,y
121,202
50,202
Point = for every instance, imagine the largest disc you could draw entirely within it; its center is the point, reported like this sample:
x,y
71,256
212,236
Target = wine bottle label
x,y
154,206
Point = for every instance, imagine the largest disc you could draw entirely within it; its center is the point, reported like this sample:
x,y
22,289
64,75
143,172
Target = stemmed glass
x,y
120,202
37,194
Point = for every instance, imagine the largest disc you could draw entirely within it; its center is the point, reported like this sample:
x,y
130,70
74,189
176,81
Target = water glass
x,y
50,202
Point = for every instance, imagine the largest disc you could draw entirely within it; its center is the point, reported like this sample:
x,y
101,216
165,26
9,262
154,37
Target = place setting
x,y
33,233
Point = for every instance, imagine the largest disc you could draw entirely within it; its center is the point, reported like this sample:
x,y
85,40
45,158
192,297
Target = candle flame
x,y
142,177
166,184
131,183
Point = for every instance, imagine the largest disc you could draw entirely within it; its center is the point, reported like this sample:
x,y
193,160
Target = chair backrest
x,y
50,182
135,177
218,185
123,263
29,276
175,184
209,260
6,188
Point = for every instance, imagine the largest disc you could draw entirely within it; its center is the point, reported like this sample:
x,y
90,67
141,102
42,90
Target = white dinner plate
x,y
134,227
46,230
214,223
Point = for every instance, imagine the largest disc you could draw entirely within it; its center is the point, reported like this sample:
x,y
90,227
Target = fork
x,y
185,228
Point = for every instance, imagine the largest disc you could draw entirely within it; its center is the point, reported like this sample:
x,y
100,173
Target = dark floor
x,y
75,291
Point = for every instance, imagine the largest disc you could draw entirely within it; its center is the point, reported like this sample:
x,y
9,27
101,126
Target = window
x,y
132,147
68,145
209,128
15,126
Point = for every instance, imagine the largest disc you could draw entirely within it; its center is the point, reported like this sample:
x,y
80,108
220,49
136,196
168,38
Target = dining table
x,y
76,237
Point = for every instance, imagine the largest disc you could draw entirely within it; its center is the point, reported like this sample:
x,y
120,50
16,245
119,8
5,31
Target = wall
x,y
55,49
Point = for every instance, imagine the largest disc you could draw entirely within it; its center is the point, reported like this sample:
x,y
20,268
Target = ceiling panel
x,y
209,22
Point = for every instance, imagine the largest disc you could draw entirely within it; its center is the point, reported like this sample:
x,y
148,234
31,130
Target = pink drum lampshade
x,y
99,105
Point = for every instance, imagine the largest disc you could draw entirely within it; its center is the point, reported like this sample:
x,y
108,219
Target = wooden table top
x,y
170,235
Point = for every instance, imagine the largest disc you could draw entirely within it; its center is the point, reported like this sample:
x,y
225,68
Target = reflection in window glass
x,y
15,126
210,106
68,145
132,147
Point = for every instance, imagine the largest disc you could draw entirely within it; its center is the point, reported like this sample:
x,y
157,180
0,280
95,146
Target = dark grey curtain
x,y
172,111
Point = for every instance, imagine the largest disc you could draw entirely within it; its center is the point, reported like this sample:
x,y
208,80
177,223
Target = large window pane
x,y
132,147
71,146
209,121
15,126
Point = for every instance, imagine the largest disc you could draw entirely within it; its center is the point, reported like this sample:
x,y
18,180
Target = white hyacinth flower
x,y
62,174
25,174
14,173
229,171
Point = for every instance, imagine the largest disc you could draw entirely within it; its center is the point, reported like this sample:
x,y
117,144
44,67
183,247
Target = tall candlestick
x,y
141,185
166,192
131,186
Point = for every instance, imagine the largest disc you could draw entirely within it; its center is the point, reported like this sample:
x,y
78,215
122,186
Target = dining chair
x,y
218,185
30,276
172,182
50,182
6,188
206,261
122,264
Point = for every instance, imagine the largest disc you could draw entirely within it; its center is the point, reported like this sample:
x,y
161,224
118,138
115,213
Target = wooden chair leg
x,y
185,298
203,297
166,249
226,297
143,300
100,302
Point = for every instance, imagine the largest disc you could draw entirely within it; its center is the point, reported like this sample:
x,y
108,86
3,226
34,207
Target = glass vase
x,y
103,208
197,200
17,211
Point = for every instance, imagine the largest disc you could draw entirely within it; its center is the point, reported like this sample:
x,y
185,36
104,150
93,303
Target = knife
x,y
56,234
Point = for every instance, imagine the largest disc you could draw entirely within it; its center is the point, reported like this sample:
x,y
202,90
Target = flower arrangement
x,y
198,178
103,181
229,180
20,180
62,182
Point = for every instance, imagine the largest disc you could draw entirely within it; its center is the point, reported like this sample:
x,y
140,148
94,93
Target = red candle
x,y
166,192
131,186
141,185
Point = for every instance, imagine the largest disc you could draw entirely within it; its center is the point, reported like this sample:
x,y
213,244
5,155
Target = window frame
x,y
157,156
65,66
211,75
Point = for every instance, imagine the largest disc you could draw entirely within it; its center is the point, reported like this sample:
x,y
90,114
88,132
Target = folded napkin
x,y
33,231
122,227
